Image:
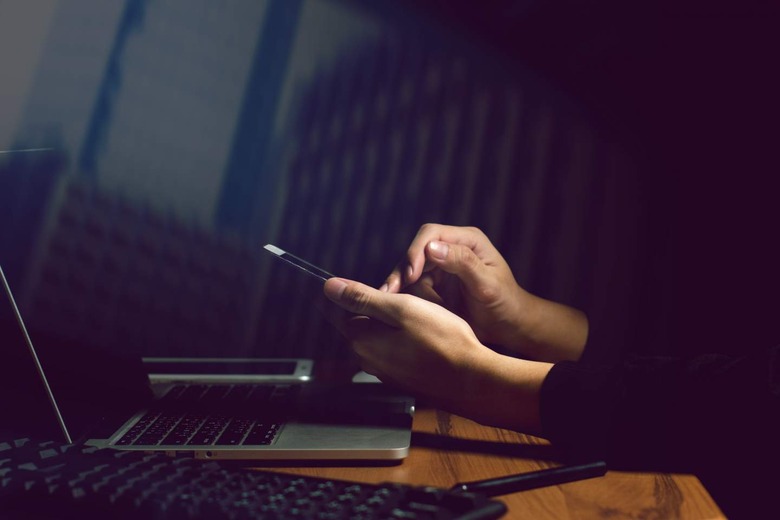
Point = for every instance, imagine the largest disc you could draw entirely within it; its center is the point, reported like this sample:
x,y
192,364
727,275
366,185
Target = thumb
x,y
361,299
463,262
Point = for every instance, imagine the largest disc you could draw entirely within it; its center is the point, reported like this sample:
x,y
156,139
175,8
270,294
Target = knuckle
x,y
429,229
468,258
487,292
481,236
356,299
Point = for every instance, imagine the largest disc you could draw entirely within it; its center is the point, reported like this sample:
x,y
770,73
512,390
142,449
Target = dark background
x,y
679,259
691,88
672,250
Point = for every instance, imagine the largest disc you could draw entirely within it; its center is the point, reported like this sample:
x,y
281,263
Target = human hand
x,y
406,340
429,351
460,269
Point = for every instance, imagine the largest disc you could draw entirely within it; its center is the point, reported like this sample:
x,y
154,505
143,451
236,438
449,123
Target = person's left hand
x,y
411,342
432,352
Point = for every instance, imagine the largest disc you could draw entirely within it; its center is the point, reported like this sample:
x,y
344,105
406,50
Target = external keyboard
x,y
54,480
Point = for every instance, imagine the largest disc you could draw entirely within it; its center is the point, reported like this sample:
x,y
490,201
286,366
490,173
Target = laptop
x,y
58,390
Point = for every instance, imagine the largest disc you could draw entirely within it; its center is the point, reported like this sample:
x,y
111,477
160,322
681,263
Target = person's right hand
x,y
459,268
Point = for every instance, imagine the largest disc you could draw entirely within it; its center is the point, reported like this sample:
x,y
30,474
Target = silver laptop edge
x,y
34,355
297,439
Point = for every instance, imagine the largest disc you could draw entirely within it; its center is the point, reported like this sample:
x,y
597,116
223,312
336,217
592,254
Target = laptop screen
x,y
55,388
27,406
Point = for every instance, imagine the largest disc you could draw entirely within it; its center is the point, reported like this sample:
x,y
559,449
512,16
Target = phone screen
x,y
301,264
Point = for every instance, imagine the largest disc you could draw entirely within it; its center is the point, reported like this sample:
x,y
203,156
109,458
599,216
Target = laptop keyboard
x,y
53,480
217,414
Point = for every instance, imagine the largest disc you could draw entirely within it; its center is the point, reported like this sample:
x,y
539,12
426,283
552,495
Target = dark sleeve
x,y
665,413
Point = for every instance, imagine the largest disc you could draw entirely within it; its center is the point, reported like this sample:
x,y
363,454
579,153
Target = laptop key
x,y
185,429
210,431
202,439
262,434
137,429
229,440
201,426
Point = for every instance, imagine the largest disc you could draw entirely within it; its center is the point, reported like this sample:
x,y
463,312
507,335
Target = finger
x,y
415,254
362,329
393,282
334,314
402,276
369,340
424,288
463,262
417,259
361,299
409,270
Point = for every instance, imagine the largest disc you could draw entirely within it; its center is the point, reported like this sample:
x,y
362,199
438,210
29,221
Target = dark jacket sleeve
x,y
712,415
655,408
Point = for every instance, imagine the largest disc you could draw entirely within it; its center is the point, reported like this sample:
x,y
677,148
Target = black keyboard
x,y
54,480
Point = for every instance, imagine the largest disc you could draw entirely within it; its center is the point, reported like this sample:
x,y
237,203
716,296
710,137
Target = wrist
x,y
505,392
522,331
561,331
550,331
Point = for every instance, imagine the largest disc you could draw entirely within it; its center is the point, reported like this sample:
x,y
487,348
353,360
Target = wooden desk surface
x,y
447,449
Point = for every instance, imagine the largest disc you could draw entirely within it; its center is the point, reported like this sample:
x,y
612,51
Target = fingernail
x,y
438,250
409,272
338,287
384,287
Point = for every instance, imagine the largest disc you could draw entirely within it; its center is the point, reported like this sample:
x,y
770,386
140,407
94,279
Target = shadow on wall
x,y
407,131
394,129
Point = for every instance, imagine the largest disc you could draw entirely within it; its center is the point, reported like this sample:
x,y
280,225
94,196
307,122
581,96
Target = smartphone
x,y
303,265
228,370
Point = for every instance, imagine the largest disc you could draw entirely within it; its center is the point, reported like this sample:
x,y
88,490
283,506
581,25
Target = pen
x,y
533,479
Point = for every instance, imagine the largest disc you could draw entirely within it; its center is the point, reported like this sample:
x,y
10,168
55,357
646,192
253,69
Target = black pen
x,y
534,479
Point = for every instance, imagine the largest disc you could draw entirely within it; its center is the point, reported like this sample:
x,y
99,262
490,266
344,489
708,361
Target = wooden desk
x,y
447,449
